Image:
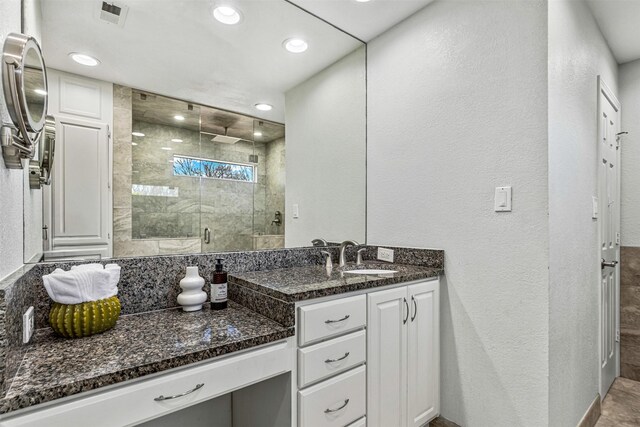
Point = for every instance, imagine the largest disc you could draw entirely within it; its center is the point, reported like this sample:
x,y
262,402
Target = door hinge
x,y
618,335
108,132
45,232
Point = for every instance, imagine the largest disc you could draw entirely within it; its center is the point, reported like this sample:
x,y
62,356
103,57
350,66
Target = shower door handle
x,y
207,235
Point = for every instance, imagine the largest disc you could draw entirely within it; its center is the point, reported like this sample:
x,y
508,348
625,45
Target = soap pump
x,y
219,287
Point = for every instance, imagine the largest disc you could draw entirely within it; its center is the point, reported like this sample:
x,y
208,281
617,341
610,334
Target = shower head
x,y
225,139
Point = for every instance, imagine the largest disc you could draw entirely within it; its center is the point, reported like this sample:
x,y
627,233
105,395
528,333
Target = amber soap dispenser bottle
x,y
219,287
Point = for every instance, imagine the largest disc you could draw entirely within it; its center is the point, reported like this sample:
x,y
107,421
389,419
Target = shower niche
x,y
202,179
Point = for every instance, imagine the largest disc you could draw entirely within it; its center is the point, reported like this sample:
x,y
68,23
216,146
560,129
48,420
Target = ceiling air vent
x,y
113,13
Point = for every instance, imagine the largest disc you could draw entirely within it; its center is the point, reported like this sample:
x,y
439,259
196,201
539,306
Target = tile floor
x,y
621,406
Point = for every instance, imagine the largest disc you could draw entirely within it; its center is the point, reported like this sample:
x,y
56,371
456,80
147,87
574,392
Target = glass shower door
x,y
165,205
229,180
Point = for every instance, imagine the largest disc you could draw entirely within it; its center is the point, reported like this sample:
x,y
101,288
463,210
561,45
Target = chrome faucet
x,y
328,264
319,242
343,251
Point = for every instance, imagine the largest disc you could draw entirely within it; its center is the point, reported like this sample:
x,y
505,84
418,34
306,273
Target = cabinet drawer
x,y
362,422
331,357
335,402
326,319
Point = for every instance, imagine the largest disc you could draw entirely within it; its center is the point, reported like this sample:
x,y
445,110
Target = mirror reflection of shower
x,y
204,179
277,219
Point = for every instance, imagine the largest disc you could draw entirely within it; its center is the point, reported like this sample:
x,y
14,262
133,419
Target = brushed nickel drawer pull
x,y
415,308
337,360
406,304
339,320
328,411
175,396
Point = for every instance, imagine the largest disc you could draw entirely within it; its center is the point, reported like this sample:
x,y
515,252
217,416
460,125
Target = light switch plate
x,y
296,211
28,325
502,202
385,254
594,207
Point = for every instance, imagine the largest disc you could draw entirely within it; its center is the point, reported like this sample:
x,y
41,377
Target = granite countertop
x,y
139,344
302,283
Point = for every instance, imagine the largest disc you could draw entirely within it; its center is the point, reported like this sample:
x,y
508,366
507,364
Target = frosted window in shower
x,y
216,169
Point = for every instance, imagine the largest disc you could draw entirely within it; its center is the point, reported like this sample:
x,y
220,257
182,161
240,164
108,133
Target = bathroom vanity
x,y
297,346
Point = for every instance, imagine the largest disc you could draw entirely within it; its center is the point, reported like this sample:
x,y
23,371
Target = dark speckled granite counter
x,y
139,345
273,293
303,283
264,282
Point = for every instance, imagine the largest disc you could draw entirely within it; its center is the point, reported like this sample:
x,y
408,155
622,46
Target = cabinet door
x,y
80,186
386,358
423,353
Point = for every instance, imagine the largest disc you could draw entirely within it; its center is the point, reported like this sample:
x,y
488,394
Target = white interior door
x,y
609,229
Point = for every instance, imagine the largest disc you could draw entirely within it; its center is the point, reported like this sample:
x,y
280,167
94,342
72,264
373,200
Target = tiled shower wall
x,y
123,243
630,312
275,164
233,211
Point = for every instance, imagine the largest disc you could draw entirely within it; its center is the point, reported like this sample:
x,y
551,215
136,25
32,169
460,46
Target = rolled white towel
x,y
94,266
83,283
114,277
64,287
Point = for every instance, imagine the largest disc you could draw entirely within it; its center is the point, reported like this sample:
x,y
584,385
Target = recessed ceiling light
x,y
257,134
363,1
134,143
137,133
176,140
83,59
295,45
227,15
178,117
264,107
166,148
40,92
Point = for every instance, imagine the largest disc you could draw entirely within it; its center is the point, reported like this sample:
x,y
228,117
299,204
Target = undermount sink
x,y
371,271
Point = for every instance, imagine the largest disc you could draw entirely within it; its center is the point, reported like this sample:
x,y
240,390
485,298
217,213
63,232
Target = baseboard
x,y
590,418
442,422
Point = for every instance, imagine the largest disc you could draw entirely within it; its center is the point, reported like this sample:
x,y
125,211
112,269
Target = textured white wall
x,y
11,180
630,179
457,105
325,154
578,53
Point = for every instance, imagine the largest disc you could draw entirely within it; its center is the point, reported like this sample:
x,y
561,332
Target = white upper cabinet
x,y
78,206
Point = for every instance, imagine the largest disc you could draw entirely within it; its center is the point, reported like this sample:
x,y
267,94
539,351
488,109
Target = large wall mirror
x,y
178,133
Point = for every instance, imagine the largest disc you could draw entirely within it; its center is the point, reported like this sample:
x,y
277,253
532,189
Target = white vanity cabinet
x,y
390,338
150,398
331,362
403,347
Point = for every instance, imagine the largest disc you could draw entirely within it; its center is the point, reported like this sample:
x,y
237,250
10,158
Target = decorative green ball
x,y
82,320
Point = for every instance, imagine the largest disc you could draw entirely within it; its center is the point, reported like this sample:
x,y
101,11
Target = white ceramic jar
x,y
192,296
